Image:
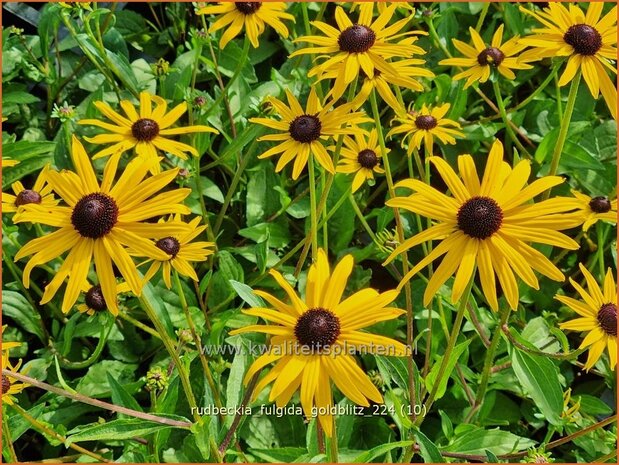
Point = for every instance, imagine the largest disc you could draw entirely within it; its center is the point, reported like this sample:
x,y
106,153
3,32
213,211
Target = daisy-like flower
x,y
598,311
145,131
588,40
487,225
407,71
94,302
99,220
181,251
365,45
313,338
424,125
41,194
304,129
7,162
251,16
480,59
361,156
10,386
590,210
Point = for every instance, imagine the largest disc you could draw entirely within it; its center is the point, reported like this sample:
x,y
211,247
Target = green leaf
x,y
451,364
18,97
33,157
476,441
279,455
211,190
234,386
277,234
378,451
15,306
427,448
126,428
121,397
247,294
539,378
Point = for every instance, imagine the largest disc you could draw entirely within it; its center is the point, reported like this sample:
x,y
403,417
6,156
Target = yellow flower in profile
x,y
145,131
99,220
424,125
588,40
251,16
362,46
181,251
7,162
590,210
361,156
10,386
486,225
598,311
40,194
304,129
313,340
480,59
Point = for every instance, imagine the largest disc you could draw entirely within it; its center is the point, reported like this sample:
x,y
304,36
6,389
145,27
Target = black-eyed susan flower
x,y
94,302
365,45
407,72
313,338
361,155
10,385
251,16
480,59
425,124
303,131
591,209
486,224
588,40
146,131
598,311
99,220
181,251
41,194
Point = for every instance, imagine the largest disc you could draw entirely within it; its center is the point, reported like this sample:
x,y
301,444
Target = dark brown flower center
x,y
94,299
305,128
600,204
356,39
94,215
367,158
426,122
480,217
492,56
6,384
317,328
584,38
145,129
607,318
169,245
248,8
27,196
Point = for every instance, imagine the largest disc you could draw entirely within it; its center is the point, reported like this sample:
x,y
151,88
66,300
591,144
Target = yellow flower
x,y
590,210
422,126
100,220
480,59
40,194
146,131
94,302
598,311
362,157
588,41
181,250
304,129
7,163
251,16
487,225
365,45
10,386
313,339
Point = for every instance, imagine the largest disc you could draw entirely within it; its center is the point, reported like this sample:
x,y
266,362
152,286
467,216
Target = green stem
x,y
362,219
139,324
482,16
455,332
6,433
404,256
506,121
313,213
601,237
557,356
169,345
565,125
333,454
537,91
489,360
